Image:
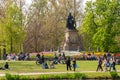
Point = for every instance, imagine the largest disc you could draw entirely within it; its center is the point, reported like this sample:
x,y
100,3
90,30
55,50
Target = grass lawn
x,y
30,66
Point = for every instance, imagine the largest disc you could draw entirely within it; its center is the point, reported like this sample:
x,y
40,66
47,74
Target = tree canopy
x,y
11,27
101,25
43,24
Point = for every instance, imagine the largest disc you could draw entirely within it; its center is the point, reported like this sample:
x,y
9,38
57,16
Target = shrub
x,y
80,76
44,77
114,75
16,77
8,76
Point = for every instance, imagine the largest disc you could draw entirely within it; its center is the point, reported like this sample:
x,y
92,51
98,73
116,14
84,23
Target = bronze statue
x,y
71,24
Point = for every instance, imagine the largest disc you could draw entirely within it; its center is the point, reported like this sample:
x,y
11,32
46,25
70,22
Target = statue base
x,y
71,42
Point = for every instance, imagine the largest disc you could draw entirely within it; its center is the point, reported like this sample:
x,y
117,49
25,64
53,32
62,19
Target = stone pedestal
x,y
71,42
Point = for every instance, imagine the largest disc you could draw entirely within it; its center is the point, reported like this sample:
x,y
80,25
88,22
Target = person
x,y
55,61
84,56
27,56
42,58
105,56
99,64
71,22
38,61
38,55
21,56
52,65
108,56
55,56
93,56
45,65
6,66
106,64
68,63
63,55
113,63
74,64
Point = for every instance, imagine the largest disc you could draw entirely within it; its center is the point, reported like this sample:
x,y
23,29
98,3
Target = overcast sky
x,y
28,2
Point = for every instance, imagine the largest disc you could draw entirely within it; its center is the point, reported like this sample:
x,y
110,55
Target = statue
x,y
71,41
71,24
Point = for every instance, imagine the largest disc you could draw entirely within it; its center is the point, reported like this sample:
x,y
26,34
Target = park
x,y
59,39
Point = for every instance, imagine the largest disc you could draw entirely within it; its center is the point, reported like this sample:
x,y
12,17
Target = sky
x,y
28,2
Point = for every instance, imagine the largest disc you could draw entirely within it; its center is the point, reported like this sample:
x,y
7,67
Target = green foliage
x,y
12,27
16,77
12,77
101,25
67,76
80,76
114,75
44,77
47,23
47,77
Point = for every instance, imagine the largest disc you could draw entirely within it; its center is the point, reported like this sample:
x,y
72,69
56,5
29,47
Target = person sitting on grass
x,y
52,65
45,65
6,66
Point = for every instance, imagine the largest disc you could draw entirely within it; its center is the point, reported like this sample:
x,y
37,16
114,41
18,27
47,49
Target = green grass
x,y
30,66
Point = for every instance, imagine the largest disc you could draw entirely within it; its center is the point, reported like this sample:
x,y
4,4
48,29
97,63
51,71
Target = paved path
x,y
40,73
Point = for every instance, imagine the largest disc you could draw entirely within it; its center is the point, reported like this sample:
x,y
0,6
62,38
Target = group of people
x,y
88,56
108,62
20,56
62,59
68,64
58,59
40,58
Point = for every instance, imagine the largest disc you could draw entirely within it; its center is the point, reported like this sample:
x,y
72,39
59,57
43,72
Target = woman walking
x,y
99,67
74,64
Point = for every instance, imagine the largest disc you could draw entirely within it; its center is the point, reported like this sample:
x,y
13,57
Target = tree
x,y
101,24
46,23
13,28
